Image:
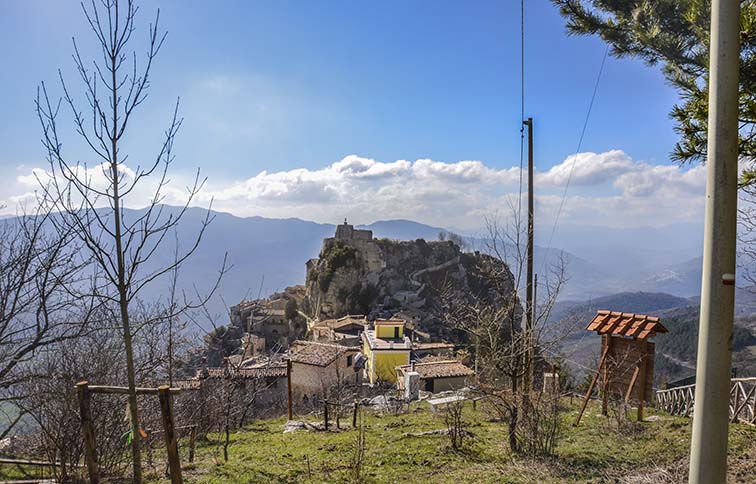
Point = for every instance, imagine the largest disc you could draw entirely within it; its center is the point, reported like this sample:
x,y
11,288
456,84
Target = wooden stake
x,y
338,415
192,442
87,429
354,416
171,443
288,380
325,413
592,385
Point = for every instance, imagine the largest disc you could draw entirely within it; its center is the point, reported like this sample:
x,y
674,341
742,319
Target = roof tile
x,y
637,326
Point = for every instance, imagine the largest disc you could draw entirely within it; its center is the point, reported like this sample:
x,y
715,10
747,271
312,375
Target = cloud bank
x,y
607,188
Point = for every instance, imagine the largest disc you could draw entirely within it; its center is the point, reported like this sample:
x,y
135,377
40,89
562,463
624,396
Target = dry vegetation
x,y
595,452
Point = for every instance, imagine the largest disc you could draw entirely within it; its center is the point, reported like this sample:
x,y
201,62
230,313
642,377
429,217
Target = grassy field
x,y
593,452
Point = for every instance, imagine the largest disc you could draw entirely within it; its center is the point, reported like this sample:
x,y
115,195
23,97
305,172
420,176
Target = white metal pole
x,y
708,450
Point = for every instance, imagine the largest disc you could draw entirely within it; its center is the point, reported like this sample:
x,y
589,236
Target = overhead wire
x,y
575,156
522,102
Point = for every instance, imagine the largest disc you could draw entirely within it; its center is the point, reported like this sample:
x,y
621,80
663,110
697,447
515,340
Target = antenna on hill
x,y
262,281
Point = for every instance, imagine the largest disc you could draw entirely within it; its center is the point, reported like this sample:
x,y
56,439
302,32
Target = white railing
x,y
680,400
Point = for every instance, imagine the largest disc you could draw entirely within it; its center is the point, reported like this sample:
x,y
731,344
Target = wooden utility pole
x,y
528,386
708,449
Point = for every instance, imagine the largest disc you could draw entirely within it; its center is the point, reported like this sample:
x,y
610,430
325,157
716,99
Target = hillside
x,y
266,255
593,452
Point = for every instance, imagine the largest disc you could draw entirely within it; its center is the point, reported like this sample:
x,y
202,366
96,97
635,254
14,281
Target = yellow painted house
x,y
385,347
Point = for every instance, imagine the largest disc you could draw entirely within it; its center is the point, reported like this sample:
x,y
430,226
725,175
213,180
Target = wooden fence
x,y
680,400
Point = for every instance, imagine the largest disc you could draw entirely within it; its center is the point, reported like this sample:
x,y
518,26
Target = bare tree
x,y
39,276
359,450
92,197
491,318
455,423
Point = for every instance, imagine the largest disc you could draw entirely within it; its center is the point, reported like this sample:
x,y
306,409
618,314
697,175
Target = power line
x,y
574,157
522,101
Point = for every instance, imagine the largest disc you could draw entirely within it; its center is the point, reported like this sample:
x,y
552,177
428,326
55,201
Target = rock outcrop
x,y
357,274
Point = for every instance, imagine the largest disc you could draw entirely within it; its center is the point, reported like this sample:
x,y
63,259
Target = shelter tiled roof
x,y
439,369
636,326
318,354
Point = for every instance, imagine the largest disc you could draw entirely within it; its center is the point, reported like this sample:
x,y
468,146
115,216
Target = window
x,y
349,361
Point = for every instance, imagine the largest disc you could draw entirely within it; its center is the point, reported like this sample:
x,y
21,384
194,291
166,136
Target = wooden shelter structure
x,y
626,366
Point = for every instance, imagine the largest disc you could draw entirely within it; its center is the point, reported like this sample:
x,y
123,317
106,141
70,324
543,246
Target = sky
x,y
366,110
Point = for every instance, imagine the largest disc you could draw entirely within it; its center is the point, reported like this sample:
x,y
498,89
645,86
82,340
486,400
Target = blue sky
x,y
293,85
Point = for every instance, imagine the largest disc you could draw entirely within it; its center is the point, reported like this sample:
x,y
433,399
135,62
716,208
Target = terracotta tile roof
x,y
439,369
318,354
262,372
356,319
434,345
636,326
389,322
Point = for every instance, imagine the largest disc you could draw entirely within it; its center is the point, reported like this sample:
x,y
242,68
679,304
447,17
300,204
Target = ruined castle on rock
x,y
362,240
356,273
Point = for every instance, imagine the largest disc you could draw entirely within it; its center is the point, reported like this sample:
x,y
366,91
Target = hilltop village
x,y
367,319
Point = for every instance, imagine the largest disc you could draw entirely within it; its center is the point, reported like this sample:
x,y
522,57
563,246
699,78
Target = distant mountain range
x,y
266,255
277,250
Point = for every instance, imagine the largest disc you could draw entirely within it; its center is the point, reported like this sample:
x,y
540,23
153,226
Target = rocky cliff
x,y
356,274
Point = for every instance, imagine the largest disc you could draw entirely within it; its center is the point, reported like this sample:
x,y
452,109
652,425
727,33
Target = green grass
x,y
592,452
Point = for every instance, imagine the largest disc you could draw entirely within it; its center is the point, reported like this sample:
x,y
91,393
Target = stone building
x,y
385,347
265,319
317,367
437,376
362,240
345,331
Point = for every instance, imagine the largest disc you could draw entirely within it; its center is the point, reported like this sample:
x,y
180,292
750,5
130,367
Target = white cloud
x,y
605,189
589,169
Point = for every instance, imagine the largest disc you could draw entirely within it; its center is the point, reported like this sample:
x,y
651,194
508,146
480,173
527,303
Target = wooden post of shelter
x,y
87,428
171,442
642,377
606,342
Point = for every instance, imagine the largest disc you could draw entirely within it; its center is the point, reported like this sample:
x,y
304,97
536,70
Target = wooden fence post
x,y
87,428
338,414
171,443
192,441
354,415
